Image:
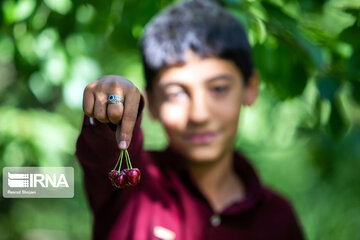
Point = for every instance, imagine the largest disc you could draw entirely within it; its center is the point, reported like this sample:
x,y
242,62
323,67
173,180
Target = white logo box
x,y
38,182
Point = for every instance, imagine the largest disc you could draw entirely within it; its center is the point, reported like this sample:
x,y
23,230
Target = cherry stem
x,y
119,158
128,158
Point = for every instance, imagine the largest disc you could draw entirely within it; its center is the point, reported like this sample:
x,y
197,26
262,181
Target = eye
x,y
220,89
174,95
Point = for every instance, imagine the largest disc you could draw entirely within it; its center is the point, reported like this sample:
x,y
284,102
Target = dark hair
x,y
202,26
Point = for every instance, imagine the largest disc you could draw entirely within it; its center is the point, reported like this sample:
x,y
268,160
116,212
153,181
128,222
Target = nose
x,y
199,112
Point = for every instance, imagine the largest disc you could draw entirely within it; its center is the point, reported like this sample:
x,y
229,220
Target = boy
x,y
199,72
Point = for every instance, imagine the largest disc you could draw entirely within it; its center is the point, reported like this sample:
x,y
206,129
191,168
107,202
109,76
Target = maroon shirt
x,y
167,196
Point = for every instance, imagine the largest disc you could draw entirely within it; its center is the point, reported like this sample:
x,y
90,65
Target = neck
x,y
218,182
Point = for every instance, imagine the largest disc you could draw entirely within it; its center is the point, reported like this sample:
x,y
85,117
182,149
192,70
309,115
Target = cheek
x,y
173,116
229,113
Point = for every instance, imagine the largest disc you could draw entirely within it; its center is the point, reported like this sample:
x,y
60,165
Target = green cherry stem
x,y
128,158
121,158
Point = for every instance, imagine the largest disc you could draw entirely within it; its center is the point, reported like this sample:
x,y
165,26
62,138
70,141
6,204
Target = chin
x,y
199,153
202,155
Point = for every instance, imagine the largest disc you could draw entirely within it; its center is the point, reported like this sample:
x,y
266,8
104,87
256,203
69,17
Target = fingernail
x,y
122,145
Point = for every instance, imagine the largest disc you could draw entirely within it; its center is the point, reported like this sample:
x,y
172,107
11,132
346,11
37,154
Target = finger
x,y
100,108
128,120
115,112
88,101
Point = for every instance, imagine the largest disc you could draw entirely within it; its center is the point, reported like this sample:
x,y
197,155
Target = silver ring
x,y
115,99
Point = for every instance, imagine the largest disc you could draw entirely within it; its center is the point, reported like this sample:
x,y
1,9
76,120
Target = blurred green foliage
x,y
303,134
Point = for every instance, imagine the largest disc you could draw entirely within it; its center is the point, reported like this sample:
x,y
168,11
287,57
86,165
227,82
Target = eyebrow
x,y
221,76
163,86
211,79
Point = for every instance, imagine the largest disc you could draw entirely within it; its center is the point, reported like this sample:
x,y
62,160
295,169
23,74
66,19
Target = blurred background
x,y
302,135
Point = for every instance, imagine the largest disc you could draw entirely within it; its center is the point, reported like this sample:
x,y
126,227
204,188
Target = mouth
x,y
201,138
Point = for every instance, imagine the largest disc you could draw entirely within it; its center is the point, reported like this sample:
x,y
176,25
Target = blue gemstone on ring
x,y
115,99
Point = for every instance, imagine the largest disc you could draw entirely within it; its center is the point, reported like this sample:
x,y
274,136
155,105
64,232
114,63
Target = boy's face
x,y
198,104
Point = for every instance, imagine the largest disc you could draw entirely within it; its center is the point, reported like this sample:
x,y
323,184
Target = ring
x,y
115,99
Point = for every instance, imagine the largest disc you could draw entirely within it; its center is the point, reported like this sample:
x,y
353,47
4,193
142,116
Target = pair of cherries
x,y
126,177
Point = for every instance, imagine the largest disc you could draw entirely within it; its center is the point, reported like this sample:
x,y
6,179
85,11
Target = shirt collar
x,y
254,189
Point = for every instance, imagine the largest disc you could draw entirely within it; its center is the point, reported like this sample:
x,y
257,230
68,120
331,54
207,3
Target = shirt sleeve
x,y
97,152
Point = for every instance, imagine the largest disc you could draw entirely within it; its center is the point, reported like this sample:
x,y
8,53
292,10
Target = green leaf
x,y
355,90
353,11
286,28
16,11
281,67
353,70
336,124
59,6
311,5
328,86
351,34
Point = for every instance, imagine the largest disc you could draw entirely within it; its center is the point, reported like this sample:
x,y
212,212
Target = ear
x,y
252,89
151,102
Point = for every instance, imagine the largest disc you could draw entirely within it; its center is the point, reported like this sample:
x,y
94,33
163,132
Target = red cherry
x,y
133,176
113,175
120,181
125,171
